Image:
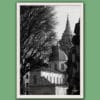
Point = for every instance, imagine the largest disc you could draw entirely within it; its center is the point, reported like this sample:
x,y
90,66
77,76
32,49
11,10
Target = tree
x,y
36,35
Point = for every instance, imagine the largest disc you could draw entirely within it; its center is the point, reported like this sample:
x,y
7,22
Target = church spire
x,y
67,28
65,42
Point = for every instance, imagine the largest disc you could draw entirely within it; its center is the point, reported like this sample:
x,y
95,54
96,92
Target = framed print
x,y
50,50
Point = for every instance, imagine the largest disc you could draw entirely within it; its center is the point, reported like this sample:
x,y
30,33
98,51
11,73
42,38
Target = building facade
x,y
74,63
48,80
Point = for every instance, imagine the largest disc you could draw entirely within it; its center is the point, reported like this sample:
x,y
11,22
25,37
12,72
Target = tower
x,y
66,39
58,59
74,63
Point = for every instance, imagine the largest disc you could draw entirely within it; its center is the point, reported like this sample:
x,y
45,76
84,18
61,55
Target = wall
x,y
58,66
44,82
42,90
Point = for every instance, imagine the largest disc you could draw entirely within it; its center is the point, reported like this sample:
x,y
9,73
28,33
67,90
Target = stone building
x,y
74,63
48,80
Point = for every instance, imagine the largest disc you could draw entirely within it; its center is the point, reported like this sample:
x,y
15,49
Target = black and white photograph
x,y
50,50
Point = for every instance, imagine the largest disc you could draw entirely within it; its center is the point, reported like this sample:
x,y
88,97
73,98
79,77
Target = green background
x,y
8,48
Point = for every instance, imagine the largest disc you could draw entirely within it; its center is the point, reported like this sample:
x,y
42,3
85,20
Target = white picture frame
x,y
81,54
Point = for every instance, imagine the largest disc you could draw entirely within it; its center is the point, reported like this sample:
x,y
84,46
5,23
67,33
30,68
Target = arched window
x,y
62,67
27,84
27,76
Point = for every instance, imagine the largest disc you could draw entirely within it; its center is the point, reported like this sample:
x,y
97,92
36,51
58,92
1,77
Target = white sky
x,y
61,15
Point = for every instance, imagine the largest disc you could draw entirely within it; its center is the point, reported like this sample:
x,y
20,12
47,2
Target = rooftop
x,y
57,54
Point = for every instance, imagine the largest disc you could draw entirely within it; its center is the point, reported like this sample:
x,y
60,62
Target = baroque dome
x,y
57,54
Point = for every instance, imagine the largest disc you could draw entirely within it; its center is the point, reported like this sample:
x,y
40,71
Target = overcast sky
x,y
61,16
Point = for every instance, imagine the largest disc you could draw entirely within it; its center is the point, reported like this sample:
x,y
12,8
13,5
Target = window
x,y
27,84
27,92
27,76
62,67
35,79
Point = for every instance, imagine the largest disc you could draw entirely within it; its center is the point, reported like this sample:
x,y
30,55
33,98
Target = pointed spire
x,y
66,39
67,28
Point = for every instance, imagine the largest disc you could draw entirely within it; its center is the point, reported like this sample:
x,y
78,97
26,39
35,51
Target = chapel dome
x,y
57,54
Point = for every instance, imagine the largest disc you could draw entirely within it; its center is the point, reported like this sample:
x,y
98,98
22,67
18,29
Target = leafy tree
x,y
36,36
